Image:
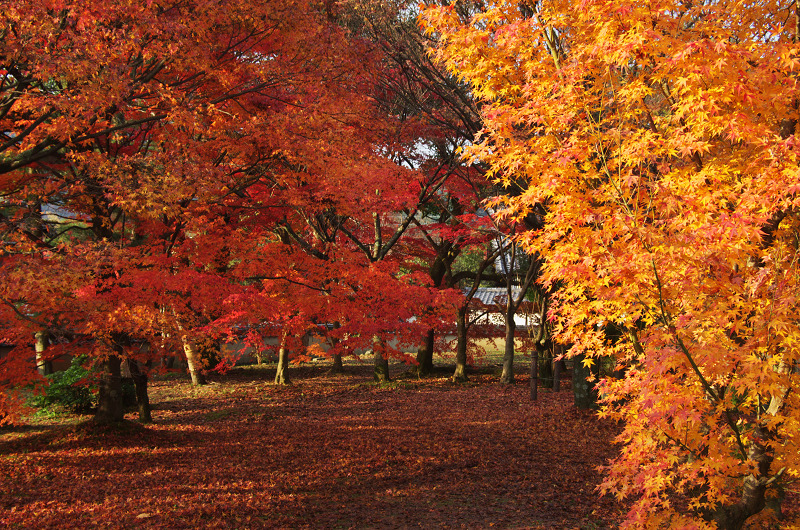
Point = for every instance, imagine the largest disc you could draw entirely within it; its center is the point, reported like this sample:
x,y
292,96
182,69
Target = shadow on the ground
x,y
329,451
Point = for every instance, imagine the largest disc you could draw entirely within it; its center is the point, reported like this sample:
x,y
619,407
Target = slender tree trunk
x,y
539,344
545,365
507,377
438,270
194,362
281,375
581,388
534,375
460,374
45,367
142,399
381,361
110,408
425,355
557,375
512,306
462,325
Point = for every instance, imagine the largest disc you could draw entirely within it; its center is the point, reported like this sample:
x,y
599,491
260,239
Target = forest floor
x,y
328,451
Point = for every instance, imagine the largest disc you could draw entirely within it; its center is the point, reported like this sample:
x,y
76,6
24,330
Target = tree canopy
x,y
175,173
660,138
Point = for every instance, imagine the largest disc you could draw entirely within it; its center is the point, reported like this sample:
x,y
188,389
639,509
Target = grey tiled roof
x,y
493,295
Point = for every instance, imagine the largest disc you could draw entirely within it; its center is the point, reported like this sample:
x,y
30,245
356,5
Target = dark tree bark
x,y
446,253
545,364
539,345
534,375
142,399
425,355
338,367
110,408
583,390
557,366
381,361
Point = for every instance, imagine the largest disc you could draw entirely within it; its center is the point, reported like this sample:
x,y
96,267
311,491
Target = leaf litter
x,y
329,451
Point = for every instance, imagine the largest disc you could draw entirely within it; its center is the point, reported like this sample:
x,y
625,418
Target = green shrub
x,y
74,389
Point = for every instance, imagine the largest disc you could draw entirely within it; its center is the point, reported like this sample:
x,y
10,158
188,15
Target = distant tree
x,y
442,117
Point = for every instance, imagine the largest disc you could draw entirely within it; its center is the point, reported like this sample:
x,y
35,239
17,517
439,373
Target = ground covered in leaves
x,y
329,451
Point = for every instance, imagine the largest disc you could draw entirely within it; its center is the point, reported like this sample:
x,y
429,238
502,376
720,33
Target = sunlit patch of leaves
x,y
244,453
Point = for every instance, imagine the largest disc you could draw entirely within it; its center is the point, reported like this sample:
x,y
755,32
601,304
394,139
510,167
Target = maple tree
x,y
104,126
171,173
442,118
660,138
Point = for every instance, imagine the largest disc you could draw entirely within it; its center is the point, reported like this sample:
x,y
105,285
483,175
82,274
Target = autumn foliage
x,y
176,175
661,140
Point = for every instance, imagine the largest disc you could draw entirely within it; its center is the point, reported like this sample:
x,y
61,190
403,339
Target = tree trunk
x,y
507,376
545,364
425,355
462,325
281,376
445,255
538,345
557,365
733,517
142,399
460,374
194,362
110,408
381,361
534,375
338,366
582,389
45,367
